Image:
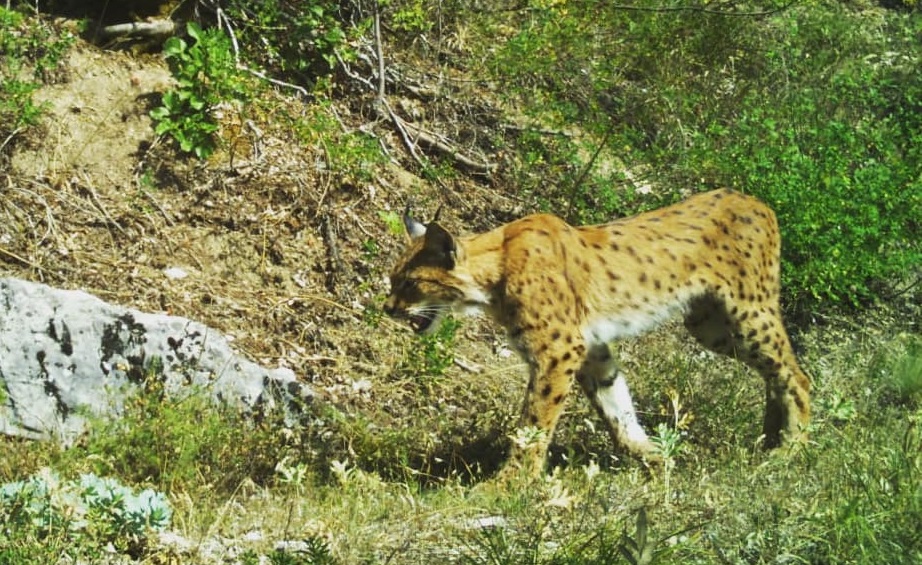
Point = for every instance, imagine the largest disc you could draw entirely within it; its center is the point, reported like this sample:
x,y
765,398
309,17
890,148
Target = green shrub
x,y
898,370
848,221
173,442
433,354
837,156
206,75
352,156
831,137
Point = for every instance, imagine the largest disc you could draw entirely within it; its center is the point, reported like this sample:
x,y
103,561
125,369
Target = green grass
x,y
853,495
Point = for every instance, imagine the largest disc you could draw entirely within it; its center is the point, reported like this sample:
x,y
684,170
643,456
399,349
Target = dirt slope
x,y
260,242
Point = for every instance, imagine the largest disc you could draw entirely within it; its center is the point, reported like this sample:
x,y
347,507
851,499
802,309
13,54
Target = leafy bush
x,y
848,222
352,156
92,510
173,442
207,75
693,99
837,156
434,353
899,369
296,40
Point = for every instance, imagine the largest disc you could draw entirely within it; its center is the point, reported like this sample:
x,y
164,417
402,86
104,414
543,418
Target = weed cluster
x,y
837,155
347,487
433,354
352,156
76,518
30,54
170,442
299,41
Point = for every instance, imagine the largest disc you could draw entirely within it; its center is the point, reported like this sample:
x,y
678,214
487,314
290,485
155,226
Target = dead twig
x,y
164,213
261,75
21,260
323,300
109,220
9,138
432,141
334,261
51,224
467,365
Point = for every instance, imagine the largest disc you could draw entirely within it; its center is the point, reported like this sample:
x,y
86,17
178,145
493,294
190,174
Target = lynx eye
x,y
407,285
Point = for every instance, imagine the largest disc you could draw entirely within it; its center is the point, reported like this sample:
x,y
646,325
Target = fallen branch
x,y
334,260
261,75
153,28
467,365
9,138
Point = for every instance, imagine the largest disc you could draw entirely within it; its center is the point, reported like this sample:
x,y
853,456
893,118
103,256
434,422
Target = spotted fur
x,y
563,293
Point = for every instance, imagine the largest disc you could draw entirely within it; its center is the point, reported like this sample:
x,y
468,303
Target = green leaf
x,y
174,47
159,113
195,32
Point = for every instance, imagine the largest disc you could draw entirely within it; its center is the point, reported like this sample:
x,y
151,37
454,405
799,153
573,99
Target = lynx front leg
x,y
551,376
606,387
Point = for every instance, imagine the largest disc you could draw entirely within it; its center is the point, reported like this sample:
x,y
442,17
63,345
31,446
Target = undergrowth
x,y
665,103
206,76
357,487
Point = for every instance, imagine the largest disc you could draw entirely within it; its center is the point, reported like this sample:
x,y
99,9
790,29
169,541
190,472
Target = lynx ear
x,y
442,245
415,229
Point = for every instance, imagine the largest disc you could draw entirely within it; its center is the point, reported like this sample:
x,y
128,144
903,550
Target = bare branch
x,y
379,48
259,74
410,133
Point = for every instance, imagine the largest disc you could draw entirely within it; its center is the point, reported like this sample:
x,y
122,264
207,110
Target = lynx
x,y
563,293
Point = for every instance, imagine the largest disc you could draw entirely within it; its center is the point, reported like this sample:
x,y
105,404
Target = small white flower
x,y
591,470
340,470
528,436
558,495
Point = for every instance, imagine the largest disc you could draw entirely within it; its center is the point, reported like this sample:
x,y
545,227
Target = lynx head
x,y
424,283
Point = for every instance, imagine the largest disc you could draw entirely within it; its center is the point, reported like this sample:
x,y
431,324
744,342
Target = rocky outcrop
x,y
66,355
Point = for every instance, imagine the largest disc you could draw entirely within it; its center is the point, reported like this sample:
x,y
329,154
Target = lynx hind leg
x,y
756,336
606,386
767,349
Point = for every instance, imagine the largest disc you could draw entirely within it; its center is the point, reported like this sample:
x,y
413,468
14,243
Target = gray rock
x,y
66,355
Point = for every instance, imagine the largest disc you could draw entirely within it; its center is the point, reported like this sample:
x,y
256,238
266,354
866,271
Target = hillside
x,y
283,234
